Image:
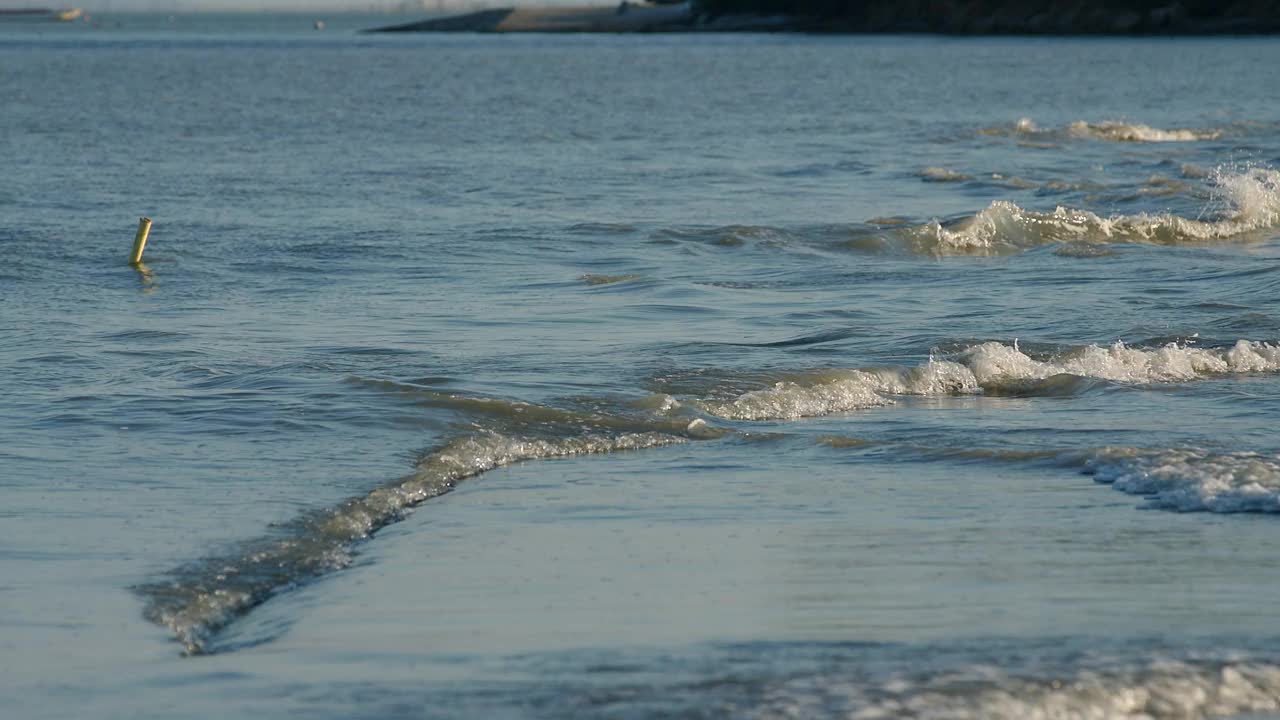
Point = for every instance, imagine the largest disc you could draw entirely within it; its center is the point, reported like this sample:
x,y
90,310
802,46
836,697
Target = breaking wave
x,y
1252,198
1153,688
1192,479
943,175
1110,130
198,600
1137,132
990,367
1186,479
834,391
1238,205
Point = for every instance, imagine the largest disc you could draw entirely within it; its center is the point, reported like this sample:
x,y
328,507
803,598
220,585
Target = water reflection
x,y
146,278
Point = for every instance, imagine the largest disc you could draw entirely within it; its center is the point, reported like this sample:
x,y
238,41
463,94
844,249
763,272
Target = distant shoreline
x,y
1014,17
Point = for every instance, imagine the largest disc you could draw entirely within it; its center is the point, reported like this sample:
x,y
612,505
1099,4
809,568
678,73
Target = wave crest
x,y
1137,132
200,599
943,175
1252,197
990,367
1192,479
1157,688
996,365
1108,130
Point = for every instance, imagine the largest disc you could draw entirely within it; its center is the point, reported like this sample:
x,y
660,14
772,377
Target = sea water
x,y
636,376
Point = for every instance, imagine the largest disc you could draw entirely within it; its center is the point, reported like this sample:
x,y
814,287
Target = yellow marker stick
x,y
140,240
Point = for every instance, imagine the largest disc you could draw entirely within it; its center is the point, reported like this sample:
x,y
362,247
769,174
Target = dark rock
x,y
977,17
483,21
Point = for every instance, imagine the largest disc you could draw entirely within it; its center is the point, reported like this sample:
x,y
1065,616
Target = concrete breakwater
x,y
625,17
979,17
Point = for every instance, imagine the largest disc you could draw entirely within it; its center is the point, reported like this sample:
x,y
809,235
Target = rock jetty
x,y
961,17
621,18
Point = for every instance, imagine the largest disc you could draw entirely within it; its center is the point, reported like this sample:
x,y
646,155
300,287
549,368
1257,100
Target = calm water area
x,y
696,376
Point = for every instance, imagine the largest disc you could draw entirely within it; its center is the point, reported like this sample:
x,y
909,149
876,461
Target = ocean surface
x,y
637,376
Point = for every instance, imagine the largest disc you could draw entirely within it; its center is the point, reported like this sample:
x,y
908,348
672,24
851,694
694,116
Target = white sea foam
x,y
1185,479
1158,689
1110,130
1192,479
789,400
201,599
989,367
1137,132
1251,199
935,174
996,365
833,391
466,458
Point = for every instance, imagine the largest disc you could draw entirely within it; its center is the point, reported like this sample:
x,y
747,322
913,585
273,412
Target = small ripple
x,y
145,336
